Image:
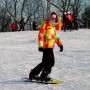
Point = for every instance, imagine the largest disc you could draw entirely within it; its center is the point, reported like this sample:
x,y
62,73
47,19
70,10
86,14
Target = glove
x,y
40,49
61,48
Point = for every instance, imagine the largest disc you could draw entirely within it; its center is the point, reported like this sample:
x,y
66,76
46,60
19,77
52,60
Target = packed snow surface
x,y
19,54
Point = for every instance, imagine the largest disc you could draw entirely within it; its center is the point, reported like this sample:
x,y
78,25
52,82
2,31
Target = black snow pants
x,y
47,63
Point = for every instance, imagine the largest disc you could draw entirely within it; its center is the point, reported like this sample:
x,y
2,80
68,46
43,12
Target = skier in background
x,y
47,37
59,24
22,24
35,25
69,21
13,27
65,22
75,22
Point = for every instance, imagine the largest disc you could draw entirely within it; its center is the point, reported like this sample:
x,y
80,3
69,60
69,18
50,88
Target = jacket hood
x,y
47,17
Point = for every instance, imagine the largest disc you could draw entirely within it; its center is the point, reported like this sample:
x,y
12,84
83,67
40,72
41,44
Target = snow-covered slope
x,y
19,54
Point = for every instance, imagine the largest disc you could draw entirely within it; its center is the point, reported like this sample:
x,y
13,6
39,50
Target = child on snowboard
x,y
47,37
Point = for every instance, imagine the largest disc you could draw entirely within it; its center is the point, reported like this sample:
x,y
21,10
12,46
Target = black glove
x,y
61,48
40,49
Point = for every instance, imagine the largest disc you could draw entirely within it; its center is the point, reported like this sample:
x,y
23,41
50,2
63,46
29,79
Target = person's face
x,y
53,18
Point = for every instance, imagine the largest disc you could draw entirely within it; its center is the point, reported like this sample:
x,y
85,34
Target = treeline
x,y
14,10
35,10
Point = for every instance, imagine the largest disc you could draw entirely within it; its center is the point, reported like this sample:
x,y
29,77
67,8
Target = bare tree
x,y
86,17
4,18
23,4
76,6
66,5
34,9
11,6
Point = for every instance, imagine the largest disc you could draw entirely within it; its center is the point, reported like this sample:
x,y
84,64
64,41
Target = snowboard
x,y
25,79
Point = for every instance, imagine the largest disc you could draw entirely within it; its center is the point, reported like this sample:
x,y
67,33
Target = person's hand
x,y
61,48
40,49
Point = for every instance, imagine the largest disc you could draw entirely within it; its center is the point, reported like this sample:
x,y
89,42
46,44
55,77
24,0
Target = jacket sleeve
x,y
58,40
41,35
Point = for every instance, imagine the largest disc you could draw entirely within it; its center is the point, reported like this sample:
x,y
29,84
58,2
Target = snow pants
x,y
47,62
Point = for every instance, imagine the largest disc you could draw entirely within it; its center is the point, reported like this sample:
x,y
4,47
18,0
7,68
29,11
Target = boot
x,y
44,77
48,79
32,76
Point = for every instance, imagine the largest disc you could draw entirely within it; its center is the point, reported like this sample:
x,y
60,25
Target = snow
x,y
19,54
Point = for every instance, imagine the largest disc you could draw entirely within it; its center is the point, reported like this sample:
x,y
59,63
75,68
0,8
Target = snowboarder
x,y
47,37
70,20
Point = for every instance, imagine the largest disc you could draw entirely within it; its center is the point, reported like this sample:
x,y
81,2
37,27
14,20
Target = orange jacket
x,y
59,25
47,36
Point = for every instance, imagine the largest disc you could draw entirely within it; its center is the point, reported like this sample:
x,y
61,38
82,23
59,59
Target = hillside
x,y
19,54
